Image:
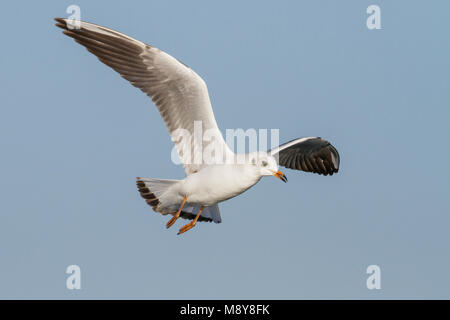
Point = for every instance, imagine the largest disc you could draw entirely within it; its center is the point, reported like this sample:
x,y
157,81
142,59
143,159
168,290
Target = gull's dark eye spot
x,y
264,163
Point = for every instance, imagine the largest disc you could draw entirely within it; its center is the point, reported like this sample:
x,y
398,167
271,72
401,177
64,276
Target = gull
x,y
182,98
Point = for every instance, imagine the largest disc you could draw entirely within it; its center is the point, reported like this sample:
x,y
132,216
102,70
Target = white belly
x,y
215,184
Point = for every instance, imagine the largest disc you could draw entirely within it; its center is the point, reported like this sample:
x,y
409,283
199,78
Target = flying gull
x,y
182,99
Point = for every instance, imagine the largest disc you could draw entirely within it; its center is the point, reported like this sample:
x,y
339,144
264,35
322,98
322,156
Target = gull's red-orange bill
x,y
280,175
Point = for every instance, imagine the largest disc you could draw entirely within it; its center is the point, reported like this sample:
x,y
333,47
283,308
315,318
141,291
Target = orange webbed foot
x,y
187,227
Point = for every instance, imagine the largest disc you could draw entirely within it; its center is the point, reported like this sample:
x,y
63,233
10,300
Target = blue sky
x,y
74,136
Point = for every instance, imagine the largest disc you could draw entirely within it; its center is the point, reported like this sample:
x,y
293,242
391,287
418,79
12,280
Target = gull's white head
x,y
266,165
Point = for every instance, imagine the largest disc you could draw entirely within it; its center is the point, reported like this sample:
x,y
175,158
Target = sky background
x,y
74,135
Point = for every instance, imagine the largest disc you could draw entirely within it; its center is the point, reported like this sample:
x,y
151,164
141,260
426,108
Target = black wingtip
x,y
61,23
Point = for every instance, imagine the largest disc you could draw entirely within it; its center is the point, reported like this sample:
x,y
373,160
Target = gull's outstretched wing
x,y
180,95
312,154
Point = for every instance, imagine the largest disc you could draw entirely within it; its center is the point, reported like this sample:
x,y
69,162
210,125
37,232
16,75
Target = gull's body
x,y
182,99
209,186
218,183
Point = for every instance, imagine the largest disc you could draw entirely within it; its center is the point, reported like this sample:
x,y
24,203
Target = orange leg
x,y
177,215
191,224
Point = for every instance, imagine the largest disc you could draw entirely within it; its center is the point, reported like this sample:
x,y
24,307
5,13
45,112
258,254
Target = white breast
x,y
218,183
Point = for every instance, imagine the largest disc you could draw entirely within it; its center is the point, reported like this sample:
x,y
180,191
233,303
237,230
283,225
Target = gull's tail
x,y
152,190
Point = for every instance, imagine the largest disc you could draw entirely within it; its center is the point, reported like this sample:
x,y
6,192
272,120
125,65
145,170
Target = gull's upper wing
x,y
180,95
312,154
